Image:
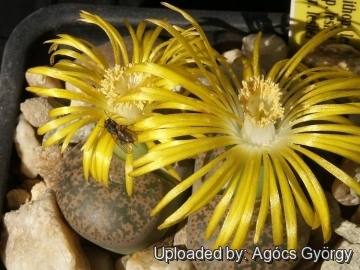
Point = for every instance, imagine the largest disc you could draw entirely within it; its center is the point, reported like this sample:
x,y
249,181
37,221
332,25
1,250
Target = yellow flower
x,y
267,124
100,85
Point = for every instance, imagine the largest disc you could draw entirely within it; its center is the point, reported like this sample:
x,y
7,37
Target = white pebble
x,y
42,81
343,193
38,190
232,55
36,110
25,143
272,49
37,238
145,260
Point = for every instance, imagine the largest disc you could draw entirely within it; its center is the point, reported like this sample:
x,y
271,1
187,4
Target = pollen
x,y
116,83
260,101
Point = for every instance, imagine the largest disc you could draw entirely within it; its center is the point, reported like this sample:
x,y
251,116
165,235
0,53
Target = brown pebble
x,y
48,163
341,192
332,55
17,197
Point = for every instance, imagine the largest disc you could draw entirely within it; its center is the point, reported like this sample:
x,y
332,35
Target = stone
x,y
25,143
38,190
108,216
334,55
232,55
35,237
348,230
36,110
340,265
341,192
146,260
272,49
29,183
17,197
48,161
43,81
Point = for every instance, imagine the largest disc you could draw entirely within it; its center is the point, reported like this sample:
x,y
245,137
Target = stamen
x,y
260,101
116,83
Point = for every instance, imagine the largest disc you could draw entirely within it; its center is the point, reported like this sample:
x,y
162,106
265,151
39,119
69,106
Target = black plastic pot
x,y
25,49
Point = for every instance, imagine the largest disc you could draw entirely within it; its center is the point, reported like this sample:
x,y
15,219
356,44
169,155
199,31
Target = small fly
x,y
121,135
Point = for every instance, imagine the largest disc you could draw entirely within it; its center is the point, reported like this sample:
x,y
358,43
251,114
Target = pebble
x,y
25,143
36,237
36,110
232,55
48,161
43,81
352,265
107,216
272,49
348,230
341,192
145,260
332,55
29,183
38,190
17,197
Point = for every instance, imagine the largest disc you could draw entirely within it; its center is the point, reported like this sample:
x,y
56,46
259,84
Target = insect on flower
x,y
122,135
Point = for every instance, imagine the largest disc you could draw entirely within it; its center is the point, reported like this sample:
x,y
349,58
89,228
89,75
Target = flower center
x,y
116,83
260,101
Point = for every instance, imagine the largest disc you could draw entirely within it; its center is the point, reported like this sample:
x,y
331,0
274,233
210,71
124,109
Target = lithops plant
x,y
262,255
267,124
107,216
100,80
